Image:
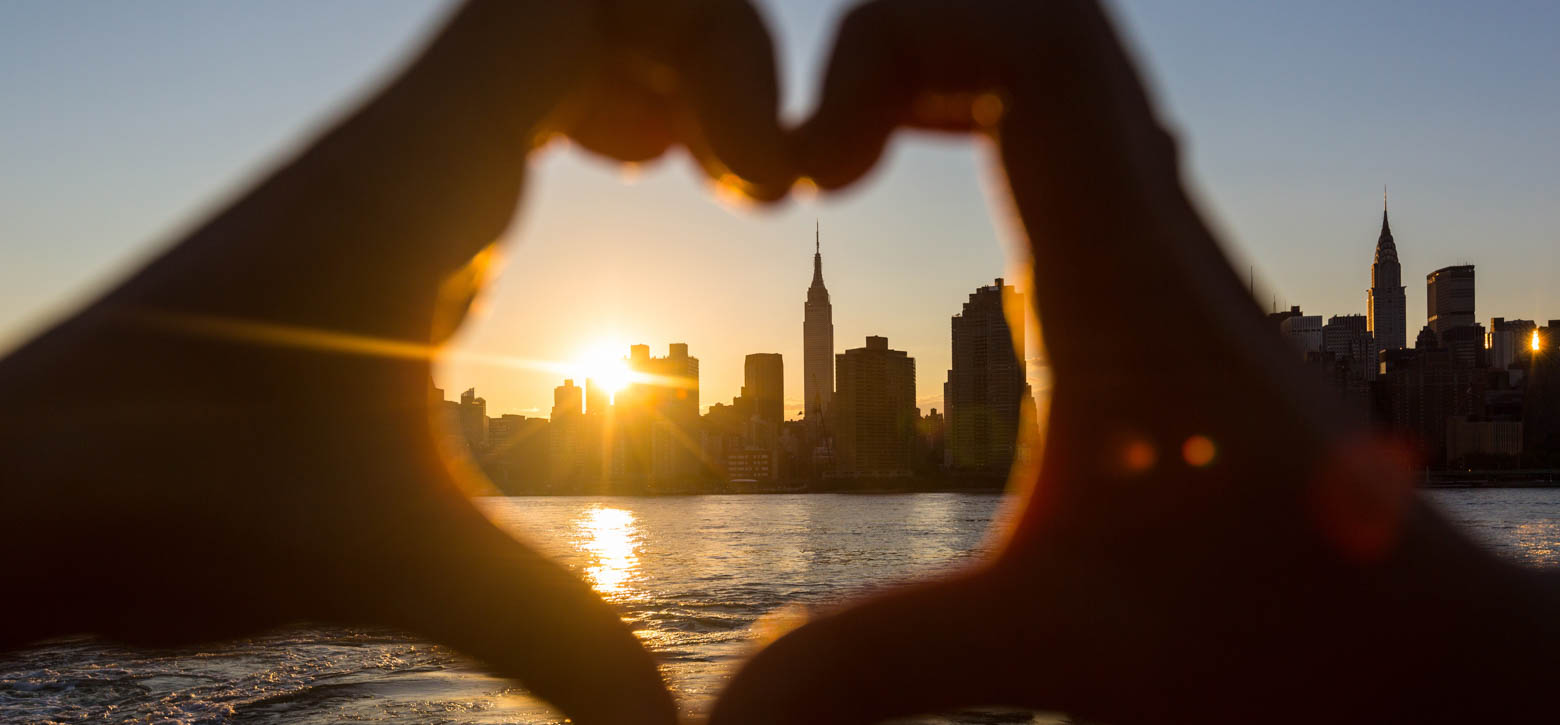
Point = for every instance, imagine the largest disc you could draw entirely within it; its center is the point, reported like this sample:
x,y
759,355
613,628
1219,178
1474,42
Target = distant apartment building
x,y
473,419
875,413
752,464
1304,332
566,449
1349,351
986,385
1467,438
1508,341
1419,390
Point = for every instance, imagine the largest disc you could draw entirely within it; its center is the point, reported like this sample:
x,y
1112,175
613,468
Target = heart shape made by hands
x,y
1195,546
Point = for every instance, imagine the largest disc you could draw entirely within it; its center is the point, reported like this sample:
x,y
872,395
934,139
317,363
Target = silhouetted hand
x,y
1207,538
241,436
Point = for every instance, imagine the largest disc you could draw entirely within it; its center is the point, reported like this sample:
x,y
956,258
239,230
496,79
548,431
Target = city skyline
x,y
1286,150
1385,305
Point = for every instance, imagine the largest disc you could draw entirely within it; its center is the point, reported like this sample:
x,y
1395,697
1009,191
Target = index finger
x,y
729,81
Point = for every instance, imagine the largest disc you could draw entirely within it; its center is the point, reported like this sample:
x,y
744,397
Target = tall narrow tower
x,y
818,342
1385,302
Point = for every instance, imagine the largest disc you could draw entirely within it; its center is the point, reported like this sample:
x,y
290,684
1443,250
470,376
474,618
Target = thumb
x,y
928,648
469,585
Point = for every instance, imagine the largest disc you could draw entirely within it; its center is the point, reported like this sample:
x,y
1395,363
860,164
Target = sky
x,y
124,124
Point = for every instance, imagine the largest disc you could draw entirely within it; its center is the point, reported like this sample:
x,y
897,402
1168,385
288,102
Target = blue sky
x,y
125,123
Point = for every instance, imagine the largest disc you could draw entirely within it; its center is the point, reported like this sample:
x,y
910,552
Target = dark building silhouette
x,y
473,419
518,459
875,413
1303,331
566,444
1386,302
1420,390
985,387
1541,397
763,386
568,400
1276,317
817,344
931,442
743,441
1507,340
1349,348
1466,343
1449,299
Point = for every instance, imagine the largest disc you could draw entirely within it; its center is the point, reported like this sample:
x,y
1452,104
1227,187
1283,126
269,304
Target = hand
x,y
1207,539
240,435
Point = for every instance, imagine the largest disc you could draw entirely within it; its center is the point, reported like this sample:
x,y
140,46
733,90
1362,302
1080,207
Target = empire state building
x,y
818,343
1385,302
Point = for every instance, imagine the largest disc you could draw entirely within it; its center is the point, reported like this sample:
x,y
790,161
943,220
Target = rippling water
x,y
695,577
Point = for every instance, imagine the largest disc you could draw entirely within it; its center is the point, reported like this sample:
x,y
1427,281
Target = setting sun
x,y
603,364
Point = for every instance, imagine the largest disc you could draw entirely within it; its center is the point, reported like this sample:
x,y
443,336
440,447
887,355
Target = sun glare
x,y
603,365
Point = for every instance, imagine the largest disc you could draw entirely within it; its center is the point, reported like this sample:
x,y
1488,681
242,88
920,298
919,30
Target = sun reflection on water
x,y
611,539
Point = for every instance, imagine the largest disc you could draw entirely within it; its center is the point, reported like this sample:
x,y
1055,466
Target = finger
x,y
624,120
929,648
727,76
919,64
466,584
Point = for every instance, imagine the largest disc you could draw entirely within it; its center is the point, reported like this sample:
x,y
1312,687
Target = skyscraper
x,y
1386,302
565,449
876,418
817,343
986,383
657,418
473,419
763,386
1449,299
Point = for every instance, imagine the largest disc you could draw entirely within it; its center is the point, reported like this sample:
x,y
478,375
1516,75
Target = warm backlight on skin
x,y
611,539
804,189
1198,451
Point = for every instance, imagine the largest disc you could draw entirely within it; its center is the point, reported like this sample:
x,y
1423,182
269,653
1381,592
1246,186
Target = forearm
x,y
1125,266
1476,635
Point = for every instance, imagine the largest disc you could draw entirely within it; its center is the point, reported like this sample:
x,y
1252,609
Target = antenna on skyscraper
x,y
817,248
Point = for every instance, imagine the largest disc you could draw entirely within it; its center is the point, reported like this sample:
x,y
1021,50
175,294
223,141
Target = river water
x,y
697,578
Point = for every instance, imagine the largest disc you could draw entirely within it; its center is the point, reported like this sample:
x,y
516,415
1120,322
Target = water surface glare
x,y
697,578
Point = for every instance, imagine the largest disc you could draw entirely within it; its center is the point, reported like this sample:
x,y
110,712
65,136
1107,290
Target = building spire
x,y
1386,229
817,280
